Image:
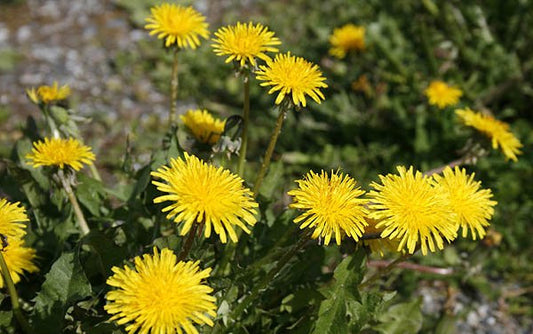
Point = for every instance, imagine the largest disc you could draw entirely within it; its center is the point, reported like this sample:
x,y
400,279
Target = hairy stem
x,y
246,119
188,243
75,205
174,88
270,149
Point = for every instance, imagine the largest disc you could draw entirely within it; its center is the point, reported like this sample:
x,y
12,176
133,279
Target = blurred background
x,y
375,115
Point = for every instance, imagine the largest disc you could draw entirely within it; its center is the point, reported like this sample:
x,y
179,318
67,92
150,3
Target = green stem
x,y
13,294
174,88
75,205
246,118
188,243
261,285
95,173
268,154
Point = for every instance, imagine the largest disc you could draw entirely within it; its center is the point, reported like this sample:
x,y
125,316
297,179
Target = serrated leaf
x,y
401,318
64,284
332,315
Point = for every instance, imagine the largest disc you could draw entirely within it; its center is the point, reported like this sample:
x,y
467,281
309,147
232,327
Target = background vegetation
x,y
483,47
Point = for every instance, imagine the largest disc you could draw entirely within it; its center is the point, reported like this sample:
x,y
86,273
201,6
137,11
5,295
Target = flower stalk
x,y
246,119
174,88
74,202
188,243
23,323
270,149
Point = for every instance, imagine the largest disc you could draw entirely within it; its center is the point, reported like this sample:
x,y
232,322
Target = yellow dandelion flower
x,y
60,152
48,94
331,205
496,130
412,210
379,245
345,39
294,76
442,95
178,25
203,126
12,218
473,206
160,295
19,259
245,42
202,193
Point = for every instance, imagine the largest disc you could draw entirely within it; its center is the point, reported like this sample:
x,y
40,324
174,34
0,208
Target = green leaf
x,y
5,319
90,193
109,254
143,179
401,318
332,315
65,284
371,306
273,179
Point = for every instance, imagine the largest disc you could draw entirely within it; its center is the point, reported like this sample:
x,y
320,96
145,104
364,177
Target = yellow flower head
x,y
179,25
347,38
60,152
203,125
202,193
442,95
12,218
379,245
473,206
331,205
496,130
410,209
245,42
48,94
160,295
294,76
18,259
